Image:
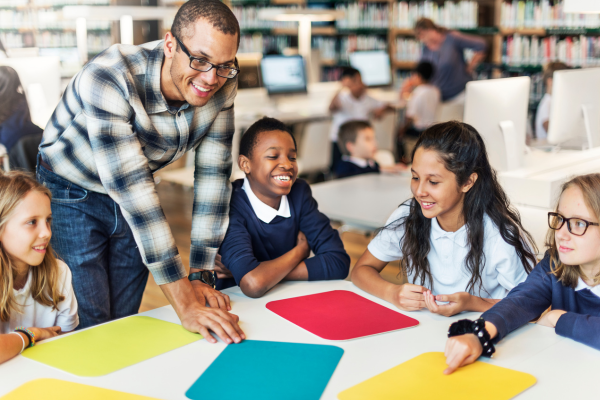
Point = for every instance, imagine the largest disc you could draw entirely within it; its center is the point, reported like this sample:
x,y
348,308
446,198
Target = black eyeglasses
x,y
576,226
201,65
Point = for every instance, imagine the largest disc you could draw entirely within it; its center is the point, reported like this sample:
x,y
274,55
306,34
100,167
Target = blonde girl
x,y
567,279
36,295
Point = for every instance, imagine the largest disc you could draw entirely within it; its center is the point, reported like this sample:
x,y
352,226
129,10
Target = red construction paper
x,y
340,315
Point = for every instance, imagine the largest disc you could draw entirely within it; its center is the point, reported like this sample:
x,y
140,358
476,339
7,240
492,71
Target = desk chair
x,y
314,152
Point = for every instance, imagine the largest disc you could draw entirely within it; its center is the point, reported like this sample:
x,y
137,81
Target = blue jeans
x,y
91,236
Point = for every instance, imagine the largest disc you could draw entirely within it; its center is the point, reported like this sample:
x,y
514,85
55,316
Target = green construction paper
x,y
107,348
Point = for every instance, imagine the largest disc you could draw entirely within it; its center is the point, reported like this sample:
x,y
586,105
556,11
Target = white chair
x,y
385,129
314,150
450,111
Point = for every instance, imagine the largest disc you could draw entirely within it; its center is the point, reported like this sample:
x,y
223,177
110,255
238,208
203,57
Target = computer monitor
x,y
497,108
575,108
374,67
283,74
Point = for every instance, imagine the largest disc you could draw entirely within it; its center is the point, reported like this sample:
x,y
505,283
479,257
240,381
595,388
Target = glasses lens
x,y
200,65
555,221
226,72
577,226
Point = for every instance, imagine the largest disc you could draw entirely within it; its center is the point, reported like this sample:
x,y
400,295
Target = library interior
x,y
360,199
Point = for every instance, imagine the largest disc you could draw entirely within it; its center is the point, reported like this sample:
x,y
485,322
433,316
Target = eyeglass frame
x,y
216,67
587,223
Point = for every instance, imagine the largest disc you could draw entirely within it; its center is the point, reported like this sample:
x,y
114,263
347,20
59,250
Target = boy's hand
x,y
407,297
550,319
45,333
302,244
460,351
457,302
221,269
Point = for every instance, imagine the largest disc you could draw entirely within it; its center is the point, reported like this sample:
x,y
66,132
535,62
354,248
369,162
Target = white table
x,y
564,369
366,201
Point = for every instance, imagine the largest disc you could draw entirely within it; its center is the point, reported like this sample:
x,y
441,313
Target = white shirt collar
x,y
361,162
582,285
459,237
264,212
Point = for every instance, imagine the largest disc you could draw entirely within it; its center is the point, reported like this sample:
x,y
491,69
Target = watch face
x,y
208,277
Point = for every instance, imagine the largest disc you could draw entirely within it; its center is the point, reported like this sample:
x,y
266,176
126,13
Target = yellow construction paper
x,y
110,347
54,389
422,378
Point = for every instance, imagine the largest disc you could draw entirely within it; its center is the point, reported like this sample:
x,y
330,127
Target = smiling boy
x,y
274,220
129,112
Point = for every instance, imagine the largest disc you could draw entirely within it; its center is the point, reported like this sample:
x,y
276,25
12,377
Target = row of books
x,y
49,3
247,16
461,14
408,49
259,43
96,42
575,51
544,14
351,43
41,19
363,15
327,47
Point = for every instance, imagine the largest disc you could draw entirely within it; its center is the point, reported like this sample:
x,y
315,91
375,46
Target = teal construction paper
x,y
261,370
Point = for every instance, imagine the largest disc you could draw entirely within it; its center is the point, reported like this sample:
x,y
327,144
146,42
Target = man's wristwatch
x,y
477,328
204,276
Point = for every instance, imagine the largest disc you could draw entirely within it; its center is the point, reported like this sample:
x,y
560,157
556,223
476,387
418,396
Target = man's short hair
x,y
349,72
349,132
265,124
214,11
425,70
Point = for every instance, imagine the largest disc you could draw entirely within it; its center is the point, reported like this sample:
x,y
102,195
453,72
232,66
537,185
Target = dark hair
x,y
462,150
265,124
349,72
214,11
425,24
348,133
12,94
551,68
425,69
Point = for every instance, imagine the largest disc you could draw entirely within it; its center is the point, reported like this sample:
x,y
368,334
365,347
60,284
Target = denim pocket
x,y
62,190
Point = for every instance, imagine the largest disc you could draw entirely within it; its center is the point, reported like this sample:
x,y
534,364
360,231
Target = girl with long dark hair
x,y
458,239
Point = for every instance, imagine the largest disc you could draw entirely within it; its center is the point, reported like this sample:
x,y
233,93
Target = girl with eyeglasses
x,y
567,280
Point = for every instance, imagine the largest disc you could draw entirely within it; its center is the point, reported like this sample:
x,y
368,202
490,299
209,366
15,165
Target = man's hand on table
x,y
207,295
196,318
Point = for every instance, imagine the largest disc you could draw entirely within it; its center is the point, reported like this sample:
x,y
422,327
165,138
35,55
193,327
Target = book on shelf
x,y
543,14
576,51
363,16
450,14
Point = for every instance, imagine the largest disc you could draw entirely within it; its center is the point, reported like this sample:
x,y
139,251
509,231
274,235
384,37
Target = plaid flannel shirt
x,y
113,129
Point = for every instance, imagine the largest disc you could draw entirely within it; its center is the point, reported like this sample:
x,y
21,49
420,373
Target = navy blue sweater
x,y
250,241
346,169
17,126
540,290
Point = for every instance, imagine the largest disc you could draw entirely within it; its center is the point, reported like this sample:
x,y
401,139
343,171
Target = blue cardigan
x,y
540,290
250,241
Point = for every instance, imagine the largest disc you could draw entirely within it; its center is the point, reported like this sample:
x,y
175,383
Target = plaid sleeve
x,y
123,169
212,189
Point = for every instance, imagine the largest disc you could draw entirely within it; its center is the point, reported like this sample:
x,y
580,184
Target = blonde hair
x,y
14,186
590,188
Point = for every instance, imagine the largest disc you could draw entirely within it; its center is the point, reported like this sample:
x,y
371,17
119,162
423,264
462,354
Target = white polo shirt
x,y
352,109
503,269
582,285
40,316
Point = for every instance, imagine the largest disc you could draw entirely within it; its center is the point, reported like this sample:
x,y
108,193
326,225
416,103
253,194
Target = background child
x,y
358,146
35,287
421,108
274,221
542,116
567,279
351,103
457,236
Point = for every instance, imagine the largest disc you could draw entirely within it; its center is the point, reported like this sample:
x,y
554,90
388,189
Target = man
x,y
129,112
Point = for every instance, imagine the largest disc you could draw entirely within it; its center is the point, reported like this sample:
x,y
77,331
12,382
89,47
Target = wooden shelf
x,y
523,31
402,32
329,63
404,64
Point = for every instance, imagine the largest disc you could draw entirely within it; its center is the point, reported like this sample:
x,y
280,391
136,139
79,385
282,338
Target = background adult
x,y
18,134
129,112
445,50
